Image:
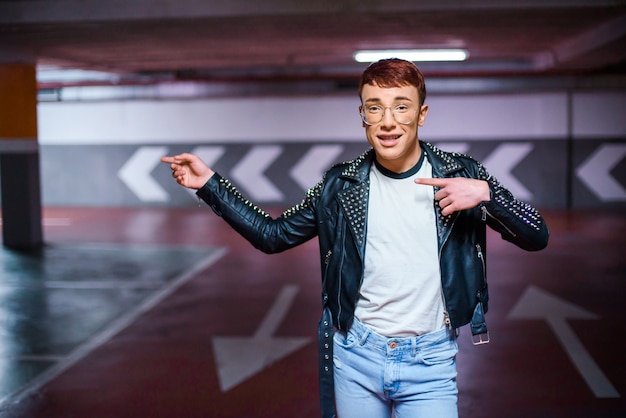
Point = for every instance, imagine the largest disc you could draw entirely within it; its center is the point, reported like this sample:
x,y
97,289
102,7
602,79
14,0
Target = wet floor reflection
x,y
57,299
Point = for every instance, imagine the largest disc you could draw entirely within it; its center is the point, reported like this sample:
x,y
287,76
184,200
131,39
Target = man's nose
x,y
388,119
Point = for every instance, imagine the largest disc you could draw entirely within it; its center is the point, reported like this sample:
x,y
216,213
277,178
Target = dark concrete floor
x,y
167,313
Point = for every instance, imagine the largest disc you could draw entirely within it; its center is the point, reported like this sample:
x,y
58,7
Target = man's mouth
x,y
388,138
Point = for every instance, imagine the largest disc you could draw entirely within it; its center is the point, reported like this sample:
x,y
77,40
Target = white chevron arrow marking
x,y
249,173
310,169
502,160
210,155
538,304
135,173
239,358
595,172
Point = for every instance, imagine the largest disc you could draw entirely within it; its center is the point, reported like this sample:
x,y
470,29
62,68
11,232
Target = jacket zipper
x,y
446,315
326,262
484,218
482,260
343,251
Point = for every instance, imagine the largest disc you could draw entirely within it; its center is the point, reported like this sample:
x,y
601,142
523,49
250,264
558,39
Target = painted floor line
x,y
115,327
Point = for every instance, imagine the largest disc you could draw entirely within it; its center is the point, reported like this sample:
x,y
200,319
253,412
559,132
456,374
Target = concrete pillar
x,y
19,158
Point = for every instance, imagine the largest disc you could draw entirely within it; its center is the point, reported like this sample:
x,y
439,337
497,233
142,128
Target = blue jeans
x,y
409,377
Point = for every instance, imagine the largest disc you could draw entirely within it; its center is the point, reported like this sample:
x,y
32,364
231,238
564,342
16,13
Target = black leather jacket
x,y
335,210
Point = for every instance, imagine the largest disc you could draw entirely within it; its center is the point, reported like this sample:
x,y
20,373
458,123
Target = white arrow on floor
x,y
310,169
239,358
538,304
595,172
135,173
504,159
249,173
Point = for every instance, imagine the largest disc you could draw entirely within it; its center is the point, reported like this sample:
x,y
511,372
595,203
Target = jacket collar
x,y
354,198
358,169
442,162
444,165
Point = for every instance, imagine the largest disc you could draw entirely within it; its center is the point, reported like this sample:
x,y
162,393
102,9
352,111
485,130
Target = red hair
x,y
394,72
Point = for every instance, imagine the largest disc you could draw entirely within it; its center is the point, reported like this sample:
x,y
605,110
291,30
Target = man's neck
x,y
402,165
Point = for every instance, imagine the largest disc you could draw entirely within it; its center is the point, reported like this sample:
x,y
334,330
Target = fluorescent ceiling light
x,y
419,55
61,75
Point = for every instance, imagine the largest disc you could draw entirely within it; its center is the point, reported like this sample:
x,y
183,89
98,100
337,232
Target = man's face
x,y
396,144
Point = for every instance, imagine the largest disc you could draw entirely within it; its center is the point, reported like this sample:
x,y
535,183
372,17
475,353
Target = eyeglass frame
x,y
393,115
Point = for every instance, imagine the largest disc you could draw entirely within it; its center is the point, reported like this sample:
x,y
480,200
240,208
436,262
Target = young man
x,y
401,233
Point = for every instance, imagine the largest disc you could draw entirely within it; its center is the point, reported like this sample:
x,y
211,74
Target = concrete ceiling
x,y
145,41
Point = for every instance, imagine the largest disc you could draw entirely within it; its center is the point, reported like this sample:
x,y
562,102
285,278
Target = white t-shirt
x,y
401,293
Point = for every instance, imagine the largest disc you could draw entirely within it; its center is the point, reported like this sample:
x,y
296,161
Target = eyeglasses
x,y
402,113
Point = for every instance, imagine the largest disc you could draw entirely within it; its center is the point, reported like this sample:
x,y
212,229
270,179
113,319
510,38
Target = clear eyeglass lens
x,y
401,113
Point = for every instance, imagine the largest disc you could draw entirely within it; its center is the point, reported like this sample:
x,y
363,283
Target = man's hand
x,y
189,170
457,193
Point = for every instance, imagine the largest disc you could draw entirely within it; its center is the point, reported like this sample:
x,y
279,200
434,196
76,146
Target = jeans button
x,y
393,345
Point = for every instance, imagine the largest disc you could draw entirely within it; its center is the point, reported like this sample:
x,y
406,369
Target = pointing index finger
x,y
437,182
175,159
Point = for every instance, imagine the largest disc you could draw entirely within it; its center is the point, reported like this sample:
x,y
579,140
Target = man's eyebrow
x,y
396,99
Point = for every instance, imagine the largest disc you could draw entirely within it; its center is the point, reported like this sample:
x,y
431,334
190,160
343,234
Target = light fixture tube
x,y
417,55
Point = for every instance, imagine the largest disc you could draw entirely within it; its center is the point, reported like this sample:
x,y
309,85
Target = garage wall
x,y
552,149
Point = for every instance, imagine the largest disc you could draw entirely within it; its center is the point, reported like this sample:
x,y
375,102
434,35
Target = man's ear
x,y
421,118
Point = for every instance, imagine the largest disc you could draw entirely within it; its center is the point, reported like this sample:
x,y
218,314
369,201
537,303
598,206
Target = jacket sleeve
x,y
516,221
295,226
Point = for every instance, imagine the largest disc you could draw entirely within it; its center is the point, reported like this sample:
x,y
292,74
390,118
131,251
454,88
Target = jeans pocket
x,y
345,341
441,353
